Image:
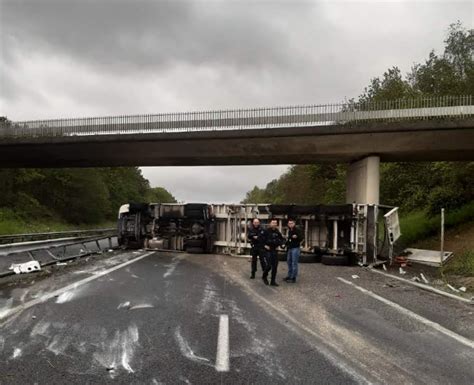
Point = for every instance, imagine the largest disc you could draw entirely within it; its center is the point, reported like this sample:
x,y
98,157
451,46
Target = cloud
x,y
212,184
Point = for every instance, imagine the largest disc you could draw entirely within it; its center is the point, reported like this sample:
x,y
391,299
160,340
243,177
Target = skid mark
x,y
172,266
119,351
186,349
141,306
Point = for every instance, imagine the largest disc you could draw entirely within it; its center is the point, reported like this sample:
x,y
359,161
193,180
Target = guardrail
x,y
306,115
29,237
57,253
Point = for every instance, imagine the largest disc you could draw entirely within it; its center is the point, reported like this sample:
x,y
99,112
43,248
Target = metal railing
x,y
29,237
295,116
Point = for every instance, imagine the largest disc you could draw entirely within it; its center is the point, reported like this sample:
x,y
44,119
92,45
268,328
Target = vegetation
x,y
57,199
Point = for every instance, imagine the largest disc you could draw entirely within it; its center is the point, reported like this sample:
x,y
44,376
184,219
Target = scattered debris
x,y
463,289
27,267
124,304
401,271
453,288
110,250
384,267
424,278
34,317
416,279
355,276
61,263
427,257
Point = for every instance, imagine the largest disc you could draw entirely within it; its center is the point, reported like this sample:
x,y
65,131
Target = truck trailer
x,y
335,234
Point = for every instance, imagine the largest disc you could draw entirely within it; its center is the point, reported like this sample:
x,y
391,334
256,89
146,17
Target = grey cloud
x,y
212,184
149,35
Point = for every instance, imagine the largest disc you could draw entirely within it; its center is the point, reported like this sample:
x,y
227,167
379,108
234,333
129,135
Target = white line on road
x,y
72,286
222,355
409,313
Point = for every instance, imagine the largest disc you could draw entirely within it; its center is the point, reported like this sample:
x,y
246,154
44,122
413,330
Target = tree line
x,y
409,185
77,196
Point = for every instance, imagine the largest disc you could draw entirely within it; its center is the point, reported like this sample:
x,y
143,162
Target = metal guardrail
x,y
58,252
308,115
29,237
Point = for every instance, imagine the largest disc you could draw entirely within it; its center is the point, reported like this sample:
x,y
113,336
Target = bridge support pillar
x,y
363,181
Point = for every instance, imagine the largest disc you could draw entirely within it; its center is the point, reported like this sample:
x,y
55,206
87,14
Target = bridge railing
x,y
457,107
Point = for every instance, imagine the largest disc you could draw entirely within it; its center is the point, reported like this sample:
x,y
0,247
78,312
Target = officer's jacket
x,y
294,242
273,239
256,232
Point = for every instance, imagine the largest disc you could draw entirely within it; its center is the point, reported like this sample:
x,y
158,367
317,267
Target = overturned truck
x,y
335,234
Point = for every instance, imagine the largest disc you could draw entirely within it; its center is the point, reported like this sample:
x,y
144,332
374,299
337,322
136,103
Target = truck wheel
x,y
194,243
194,250
309,258
340,260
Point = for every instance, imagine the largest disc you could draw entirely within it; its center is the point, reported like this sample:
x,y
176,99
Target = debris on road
x,y
61,263
401,271
27,267
453,288
424,278
355,276
384,267
463,289
427,257
416,279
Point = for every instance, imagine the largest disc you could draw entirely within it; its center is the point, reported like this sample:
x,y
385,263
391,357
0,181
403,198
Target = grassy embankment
x,y
422,231
11,223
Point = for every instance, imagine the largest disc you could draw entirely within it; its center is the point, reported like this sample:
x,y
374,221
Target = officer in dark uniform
x,y
273,239
255,236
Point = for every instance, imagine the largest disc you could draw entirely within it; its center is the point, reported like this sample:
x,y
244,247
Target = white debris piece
x,y
424,278
26,267
110,250
384,267
453,288
463,289
416,279
401,271
355,276
61,263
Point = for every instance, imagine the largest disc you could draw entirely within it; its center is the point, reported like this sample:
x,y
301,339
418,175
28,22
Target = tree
x,y
159,195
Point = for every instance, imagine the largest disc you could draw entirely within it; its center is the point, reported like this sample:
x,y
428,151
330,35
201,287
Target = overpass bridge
x,y
426,129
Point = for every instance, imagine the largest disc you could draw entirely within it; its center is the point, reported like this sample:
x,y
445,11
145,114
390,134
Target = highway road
x,y
172,318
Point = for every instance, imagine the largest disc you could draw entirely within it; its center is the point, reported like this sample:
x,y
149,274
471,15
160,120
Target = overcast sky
x,y
65,58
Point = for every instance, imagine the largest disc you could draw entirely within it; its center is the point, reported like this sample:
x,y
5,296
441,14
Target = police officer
x,y
293,254
255,236
273,239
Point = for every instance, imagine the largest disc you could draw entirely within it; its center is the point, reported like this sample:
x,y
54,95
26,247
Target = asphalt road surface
x,y
170,318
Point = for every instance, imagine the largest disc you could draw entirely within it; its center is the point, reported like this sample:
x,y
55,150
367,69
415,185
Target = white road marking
x,y
72,286
409,313
222,355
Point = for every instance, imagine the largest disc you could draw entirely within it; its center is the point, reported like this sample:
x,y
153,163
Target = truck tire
x,y
309,258
339,260
194,243
194,250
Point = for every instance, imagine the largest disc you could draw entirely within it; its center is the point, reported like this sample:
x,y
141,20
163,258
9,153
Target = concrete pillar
x,y
363,181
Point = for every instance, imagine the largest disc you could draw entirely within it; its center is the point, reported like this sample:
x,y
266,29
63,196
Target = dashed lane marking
x,y
222,355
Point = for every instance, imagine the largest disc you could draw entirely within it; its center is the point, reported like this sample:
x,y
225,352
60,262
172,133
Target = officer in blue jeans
x,y
293,254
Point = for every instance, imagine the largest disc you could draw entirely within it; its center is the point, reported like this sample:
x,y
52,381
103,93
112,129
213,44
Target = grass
x,y
462,264
11,223
419,225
